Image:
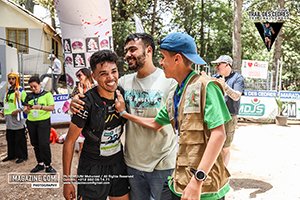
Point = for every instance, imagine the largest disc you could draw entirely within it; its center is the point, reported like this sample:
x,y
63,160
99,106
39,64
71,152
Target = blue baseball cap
x,y
182,43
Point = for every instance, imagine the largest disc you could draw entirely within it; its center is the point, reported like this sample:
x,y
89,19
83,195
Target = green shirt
x,y
44,100
10,104
215,112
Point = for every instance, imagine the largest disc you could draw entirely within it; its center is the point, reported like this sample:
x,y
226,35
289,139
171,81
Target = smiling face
x,y
35,87
135,54
167,62
107,75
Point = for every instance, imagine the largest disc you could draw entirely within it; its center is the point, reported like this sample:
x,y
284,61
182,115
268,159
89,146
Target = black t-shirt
x,y
110,147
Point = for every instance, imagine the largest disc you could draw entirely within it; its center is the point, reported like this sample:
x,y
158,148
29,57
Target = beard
x,y
139,62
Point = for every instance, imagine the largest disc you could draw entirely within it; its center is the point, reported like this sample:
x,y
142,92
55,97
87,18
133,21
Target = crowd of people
x,y
31,111
178,124
176,148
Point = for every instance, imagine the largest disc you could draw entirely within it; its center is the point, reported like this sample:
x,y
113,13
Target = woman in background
x,y
39,104
15,121
85,83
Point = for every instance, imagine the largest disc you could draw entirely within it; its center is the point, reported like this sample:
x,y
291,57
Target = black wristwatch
x,y
200,175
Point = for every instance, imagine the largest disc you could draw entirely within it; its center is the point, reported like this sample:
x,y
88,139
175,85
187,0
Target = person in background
x,y
15,121
233,84
56,68
85,83
268,34
197,111
38,105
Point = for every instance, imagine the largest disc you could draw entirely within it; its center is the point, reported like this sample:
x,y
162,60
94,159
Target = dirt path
x,y
264,165
24,191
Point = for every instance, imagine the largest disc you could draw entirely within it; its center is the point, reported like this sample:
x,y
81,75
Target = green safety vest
x,y
45,99
10,104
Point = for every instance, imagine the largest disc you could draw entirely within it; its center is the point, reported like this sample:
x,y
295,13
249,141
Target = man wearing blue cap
x,y
197,112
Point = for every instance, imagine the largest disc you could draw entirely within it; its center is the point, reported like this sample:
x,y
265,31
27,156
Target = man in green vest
x,y
197,112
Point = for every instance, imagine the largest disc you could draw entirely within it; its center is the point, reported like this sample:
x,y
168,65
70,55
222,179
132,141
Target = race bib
x,y
6,106
110,142
35,113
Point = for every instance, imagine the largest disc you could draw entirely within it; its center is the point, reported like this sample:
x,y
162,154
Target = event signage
x,y
261,104
254,69
86,28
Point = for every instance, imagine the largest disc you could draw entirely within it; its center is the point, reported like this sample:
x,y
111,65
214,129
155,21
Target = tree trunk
x,y
236,36
277,51
153,18
202,47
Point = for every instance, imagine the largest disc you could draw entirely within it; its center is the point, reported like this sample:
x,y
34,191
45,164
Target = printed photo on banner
x,y
69,80
92,44
104,43
68,60
268,32
78,45
67,46
79,59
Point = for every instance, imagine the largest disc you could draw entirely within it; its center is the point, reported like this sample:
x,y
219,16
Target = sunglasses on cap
x,y
221,63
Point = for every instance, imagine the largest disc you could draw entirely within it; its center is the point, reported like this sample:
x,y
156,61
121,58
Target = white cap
x,y
51,56
223,59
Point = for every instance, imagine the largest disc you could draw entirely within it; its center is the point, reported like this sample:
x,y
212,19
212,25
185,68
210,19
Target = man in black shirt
x,y
101,169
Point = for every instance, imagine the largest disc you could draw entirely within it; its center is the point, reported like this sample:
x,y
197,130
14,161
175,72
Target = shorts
x,y
108,179
230,129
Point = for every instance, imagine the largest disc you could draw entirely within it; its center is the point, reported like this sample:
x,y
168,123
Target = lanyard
x,y
37,96
177,96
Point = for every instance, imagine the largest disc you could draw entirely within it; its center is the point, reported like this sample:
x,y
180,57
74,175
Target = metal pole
x,y
271,80
277,74
21,68
280,74
51,63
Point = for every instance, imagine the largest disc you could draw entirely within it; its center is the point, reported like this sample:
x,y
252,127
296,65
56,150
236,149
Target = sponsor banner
x,y
57,115
86,28
254,69
261,104
258,107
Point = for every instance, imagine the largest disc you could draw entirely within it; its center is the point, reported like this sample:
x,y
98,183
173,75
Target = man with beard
x,y
149,155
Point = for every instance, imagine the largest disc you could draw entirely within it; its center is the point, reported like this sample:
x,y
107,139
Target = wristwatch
x,y
199,175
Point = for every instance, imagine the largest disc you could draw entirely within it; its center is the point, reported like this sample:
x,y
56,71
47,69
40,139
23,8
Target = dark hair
x,y
100,57
87,72
146,39
34,79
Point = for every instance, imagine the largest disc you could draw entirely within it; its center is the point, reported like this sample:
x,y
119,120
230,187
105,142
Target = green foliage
x,y
280,105
210,22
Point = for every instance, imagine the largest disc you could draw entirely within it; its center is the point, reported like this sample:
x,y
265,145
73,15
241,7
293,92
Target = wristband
x,y
122,113
41,107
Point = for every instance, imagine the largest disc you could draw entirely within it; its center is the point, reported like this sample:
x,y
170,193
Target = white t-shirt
x,y
56,66
146,149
